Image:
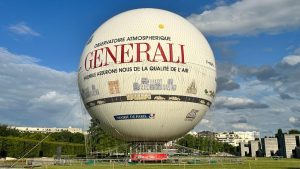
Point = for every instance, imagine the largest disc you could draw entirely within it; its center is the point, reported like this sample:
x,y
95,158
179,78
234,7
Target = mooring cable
x,y
30,150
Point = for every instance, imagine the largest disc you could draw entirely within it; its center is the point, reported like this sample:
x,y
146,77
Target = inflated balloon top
x,y
147,75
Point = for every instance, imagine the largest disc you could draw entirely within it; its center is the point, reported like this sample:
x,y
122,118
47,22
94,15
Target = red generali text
x,y
134,52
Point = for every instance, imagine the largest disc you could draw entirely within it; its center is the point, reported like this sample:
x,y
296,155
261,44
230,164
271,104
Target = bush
x,y
16,147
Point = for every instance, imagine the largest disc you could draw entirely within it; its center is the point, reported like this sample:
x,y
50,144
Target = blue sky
x,y
256,45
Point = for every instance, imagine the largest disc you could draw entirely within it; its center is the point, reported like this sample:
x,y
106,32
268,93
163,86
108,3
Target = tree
x,y
294,131
7,131
100,140
206,144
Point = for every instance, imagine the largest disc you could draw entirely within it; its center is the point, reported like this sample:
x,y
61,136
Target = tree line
x,y
206,144
14,143
63,136
102,141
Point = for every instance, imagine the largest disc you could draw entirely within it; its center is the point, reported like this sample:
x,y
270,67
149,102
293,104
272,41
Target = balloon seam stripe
x,y
174,98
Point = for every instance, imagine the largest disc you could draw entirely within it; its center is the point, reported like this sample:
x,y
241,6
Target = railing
x,y
126,161
41,162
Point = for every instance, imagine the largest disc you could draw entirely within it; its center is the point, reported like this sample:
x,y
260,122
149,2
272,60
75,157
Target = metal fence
x,y
184,161
125,161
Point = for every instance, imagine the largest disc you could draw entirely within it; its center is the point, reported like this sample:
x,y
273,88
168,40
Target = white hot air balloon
x,y
147,75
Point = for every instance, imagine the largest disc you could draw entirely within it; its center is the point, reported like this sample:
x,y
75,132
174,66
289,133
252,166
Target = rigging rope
x,y
30,150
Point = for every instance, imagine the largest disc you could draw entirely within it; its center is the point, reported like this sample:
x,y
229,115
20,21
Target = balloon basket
x,y
148,157
148,152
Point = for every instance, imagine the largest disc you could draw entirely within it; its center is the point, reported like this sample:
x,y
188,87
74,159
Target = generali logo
x,y
134,52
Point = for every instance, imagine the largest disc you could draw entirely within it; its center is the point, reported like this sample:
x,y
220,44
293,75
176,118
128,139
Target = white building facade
x,y
236,137
47,130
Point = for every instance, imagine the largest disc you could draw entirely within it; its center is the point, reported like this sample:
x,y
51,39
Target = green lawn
x,y
260,163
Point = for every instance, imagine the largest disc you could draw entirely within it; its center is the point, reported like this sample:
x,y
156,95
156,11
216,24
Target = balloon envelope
x,y
147,75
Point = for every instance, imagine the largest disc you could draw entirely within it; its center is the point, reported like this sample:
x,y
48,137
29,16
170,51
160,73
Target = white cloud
x,y
243,126
234,103
36,95
7,57
54,97
220,2
295,121
249,17
204,121
226,70
23,29
291,60
215,4
292,120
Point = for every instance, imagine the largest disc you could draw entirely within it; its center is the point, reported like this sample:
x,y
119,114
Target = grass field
x,y
260,163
